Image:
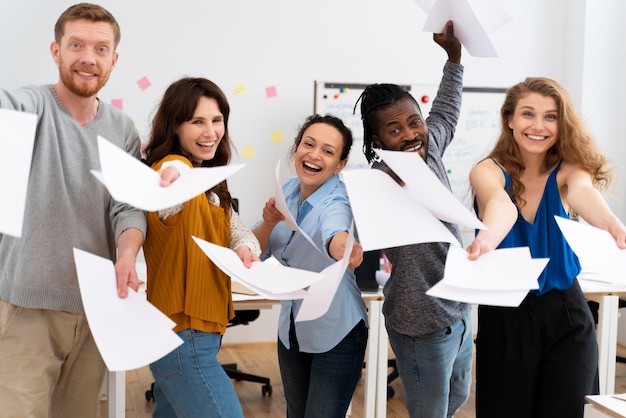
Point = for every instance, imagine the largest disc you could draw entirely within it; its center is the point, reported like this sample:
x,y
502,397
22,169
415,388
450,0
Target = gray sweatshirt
x,y
416,268
66,206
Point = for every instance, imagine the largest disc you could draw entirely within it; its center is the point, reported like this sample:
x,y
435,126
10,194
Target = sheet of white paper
x,y
130,333
320,295
386,215
281,205
510,298
17,136
492,271
599,255
473,22
131,181
427,189
272,281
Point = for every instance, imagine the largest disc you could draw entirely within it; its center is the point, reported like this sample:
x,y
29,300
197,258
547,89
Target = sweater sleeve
x,y
446,109
241,235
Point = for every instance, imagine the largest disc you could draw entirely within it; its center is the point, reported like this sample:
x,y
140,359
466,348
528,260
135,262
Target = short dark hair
x,y
377,97
87,11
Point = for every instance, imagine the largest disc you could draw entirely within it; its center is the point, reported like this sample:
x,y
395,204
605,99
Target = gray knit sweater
x,y
66,206
416,268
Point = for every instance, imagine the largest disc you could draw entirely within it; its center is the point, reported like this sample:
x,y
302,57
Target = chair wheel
x,y
390,392
266,390
149,396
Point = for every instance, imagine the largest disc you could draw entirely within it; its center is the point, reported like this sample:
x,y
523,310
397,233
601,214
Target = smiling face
x,y
401,127
318,157
85,56
535,123
201,135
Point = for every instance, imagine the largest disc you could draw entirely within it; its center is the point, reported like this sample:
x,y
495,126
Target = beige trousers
x,y
49,364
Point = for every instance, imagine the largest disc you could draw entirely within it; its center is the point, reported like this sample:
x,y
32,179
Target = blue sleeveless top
x,y
545,239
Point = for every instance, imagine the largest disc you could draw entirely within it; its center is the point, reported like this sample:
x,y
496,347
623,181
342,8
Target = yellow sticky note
x,y
277,136
240,89
248,152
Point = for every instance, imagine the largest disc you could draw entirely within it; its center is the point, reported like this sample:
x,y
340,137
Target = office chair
x,y
244,318
241,318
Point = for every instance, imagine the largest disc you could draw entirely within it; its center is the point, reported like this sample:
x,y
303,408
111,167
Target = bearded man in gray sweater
x,y
49,363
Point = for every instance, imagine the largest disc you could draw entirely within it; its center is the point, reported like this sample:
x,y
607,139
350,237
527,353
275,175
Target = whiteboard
x,y
477,129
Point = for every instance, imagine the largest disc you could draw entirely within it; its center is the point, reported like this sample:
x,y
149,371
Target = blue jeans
x,y
435,369
322,384
190,382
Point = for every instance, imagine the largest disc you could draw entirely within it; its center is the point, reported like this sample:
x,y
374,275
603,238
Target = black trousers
x,y
537,360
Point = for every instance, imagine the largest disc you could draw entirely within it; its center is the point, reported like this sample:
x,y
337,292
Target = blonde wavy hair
x,y
575,143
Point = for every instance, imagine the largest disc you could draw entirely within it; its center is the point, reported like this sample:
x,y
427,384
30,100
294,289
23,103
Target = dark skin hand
x,y
449,42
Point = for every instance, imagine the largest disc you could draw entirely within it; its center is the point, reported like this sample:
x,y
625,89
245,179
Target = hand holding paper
x,y
273,281
320,295
130,181
474,21
489,280
130,333
600,257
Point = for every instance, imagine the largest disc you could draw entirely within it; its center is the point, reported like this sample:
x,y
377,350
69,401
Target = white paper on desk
x,y
600,257
474,21
131,181
492,271
273,281
510,298
17,137
281,205
386,215
320,295
422,184
130,333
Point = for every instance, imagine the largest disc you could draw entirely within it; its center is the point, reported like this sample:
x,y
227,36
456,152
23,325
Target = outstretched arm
x,y
587,201
337,247
495,208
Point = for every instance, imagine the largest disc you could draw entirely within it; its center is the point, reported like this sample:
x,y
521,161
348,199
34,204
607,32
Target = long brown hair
x,y
179,105
575,143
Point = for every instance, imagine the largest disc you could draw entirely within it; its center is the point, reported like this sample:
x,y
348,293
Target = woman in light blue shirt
x,y
320,360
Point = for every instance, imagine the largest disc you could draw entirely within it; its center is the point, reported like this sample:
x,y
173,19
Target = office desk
x,y
607,296
604,406
375,389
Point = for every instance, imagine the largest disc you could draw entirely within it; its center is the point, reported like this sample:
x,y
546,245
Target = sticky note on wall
x,y
277,137
240,89
248,152
270,92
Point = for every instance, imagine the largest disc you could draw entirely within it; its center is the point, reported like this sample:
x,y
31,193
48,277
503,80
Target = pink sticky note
x,y
117,103
143,83
270,92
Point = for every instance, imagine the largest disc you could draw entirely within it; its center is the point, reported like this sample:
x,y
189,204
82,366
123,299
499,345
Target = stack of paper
x,y
489,280
272,280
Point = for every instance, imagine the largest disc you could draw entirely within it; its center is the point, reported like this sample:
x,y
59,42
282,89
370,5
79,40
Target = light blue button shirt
x,y
325,213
